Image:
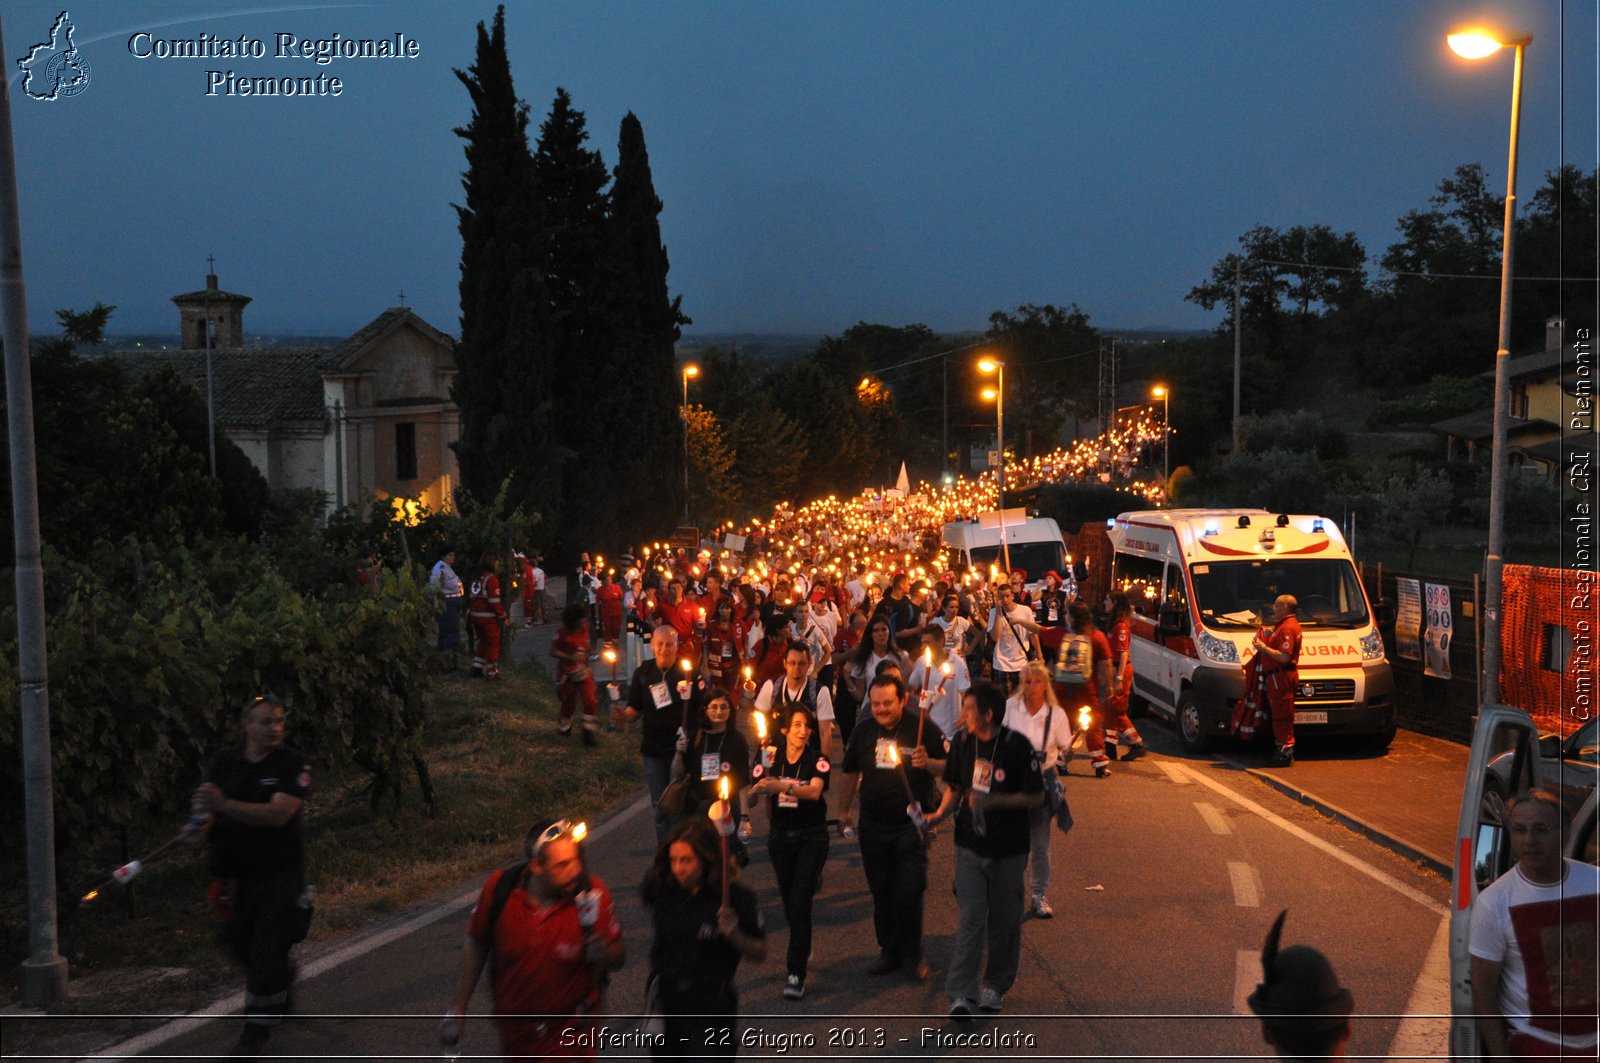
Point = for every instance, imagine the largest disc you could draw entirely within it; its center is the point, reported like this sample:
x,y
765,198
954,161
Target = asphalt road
x,y
1163,894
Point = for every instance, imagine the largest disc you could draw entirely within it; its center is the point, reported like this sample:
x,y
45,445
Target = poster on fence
x,y
1408,619
1436,660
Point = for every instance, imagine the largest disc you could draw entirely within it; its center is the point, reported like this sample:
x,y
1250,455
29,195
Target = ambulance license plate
x,y
1310,717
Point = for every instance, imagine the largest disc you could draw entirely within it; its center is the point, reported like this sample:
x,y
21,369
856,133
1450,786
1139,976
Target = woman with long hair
x,y
698,942
796,789
861,667
1034,713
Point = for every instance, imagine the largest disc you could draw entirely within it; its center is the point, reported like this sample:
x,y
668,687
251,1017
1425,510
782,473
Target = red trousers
x,y
570,692
486,645
1280,698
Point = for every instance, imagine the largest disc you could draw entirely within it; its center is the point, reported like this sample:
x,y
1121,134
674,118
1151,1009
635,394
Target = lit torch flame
x,y
687,665
1083,718
91,895
894,755
580,831
722,788
610,654
761,726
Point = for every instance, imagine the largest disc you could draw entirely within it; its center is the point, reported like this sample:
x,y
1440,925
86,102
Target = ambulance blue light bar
x,y
1316,525
1211,528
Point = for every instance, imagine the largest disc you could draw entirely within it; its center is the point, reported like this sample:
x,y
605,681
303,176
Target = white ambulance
x,y
1202,583
1034,544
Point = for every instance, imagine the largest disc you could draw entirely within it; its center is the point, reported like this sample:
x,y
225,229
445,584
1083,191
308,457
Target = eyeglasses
x,y
561,828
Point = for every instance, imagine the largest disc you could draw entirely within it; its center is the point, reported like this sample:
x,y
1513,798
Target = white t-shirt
x,y
1559,921
1031,726
955,632
538,578
858,593
769,692
944,710
1011,647
817,640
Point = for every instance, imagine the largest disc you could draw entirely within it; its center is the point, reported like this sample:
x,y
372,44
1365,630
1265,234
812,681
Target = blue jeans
x,y
657,773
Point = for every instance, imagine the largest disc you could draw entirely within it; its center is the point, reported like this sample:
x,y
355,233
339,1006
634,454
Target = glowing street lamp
x,y
1480,44
1160,391
689,370
987,364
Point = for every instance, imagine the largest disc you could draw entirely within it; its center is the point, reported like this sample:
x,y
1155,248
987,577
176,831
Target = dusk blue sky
x,y
820,163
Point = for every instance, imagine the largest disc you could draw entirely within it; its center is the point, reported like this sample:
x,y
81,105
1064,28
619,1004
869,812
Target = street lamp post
x,y
998,394
689,370
1478,44
1161,392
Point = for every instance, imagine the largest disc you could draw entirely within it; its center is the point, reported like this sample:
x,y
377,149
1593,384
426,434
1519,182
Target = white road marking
x,y
1246,976
1213,817
228,1006
1424,1031
1246,884
1311,839
1174,772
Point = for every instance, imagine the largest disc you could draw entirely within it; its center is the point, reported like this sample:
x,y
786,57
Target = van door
x,y
1504,761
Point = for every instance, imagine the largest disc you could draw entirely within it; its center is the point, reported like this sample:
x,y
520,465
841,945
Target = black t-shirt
x,y
687,946
732,757
883,795
1050,609
240,850
802,813
1012,767
658,730
902,613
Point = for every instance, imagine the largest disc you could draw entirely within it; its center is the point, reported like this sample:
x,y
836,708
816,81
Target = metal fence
x,y
1436,706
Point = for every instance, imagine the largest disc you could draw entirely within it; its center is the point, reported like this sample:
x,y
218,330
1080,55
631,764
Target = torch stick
x,y
721,813
922,704
126,873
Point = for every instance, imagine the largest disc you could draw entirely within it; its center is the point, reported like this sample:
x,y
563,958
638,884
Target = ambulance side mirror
x,y
1383,613
1174,621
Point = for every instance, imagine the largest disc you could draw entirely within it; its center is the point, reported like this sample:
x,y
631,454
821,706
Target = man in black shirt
x,y
668,699
253,797
882,759
902,613
994,781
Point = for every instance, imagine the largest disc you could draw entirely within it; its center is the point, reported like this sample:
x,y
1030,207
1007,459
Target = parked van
x,y
1202,583
1034,543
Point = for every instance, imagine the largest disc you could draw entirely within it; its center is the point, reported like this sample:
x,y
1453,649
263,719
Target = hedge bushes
x,y
150,660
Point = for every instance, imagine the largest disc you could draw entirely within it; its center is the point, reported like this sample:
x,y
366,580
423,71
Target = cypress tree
x,y
647,390
502,358
571,181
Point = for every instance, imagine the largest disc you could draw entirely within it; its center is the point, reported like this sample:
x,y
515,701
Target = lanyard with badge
x,y
983,775
711,760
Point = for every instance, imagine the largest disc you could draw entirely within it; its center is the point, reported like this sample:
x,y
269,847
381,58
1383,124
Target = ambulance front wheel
x,y
1192,730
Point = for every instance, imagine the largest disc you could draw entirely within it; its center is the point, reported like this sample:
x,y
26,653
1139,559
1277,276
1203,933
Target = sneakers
x,y
1040,909
989,1000
794,987
1134,752
961,1009
1102,768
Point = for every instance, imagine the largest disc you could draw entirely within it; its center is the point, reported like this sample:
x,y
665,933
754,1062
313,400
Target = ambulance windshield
x,y
1239,594
1034,558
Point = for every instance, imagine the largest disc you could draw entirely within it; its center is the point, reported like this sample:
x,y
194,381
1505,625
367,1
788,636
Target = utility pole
x,y
44,972
1238,287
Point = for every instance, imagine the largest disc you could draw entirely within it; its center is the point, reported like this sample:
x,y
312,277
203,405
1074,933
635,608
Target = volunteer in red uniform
x,y
722,646
1280,661
574,678
549,967
608,601
1095,691
487,615
683,616
1118,725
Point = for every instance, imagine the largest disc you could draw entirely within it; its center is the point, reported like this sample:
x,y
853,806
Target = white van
x,y
1034,543
1508,757
1202,583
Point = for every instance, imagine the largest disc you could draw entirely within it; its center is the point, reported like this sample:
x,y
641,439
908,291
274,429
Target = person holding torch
x,y
894,773
795,784
705,924
665,696
552,931
937,683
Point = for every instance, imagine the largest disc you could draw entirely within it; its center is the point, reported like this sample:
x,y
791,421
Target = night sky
x,y
820,163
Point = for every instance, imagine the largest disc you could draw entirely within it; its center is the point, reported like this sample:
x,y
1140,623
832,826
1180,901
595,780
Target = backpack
x,y
1075,663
